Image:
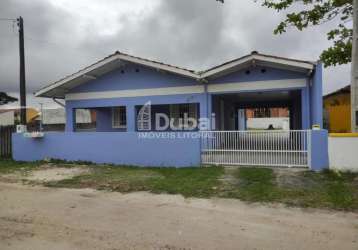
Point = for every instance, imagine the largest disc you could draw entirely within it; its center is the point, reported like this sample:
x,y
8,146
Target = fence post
x,y
319,149
309,149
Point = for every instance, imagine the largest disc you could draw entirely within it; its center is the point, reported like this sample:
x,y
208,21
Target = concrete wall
x,y
264,123
128,148
343,152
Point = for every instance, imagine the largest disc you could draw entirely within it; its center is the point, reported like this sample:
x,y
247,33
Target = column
x,y
70,119
131,118
305,108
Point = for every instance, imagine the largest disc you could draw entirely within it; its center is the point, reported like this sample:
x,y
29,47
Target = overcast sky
x,y
62,36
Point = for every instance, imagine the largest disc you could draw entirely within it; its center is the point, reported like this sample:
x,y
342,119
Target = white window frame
x,y
114,125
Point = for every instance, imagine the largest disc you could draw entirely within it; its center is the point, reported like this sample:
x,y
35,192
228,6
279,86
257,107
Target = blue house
x,y
153,114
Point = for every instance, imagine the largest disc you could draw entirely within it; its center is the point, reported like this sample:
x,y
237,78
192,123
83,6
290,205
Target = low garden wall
x,y
343,151
128,148
161,149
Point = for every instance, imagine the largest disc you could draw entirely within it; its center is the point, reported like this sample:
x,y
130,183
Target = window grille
x,y
119,117
178,111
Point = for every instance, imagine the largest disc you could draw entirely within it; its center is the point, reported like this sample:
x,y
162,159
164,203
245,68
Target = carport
x,y
231,107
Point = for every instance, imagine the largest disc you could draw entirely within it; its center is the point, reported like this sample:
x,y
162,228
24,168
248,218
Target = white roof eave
x,y
300,66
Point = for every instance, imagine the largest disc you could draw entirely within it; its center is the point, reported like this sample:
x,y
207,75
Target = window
x,y
85,120
262,112
178,111
119,117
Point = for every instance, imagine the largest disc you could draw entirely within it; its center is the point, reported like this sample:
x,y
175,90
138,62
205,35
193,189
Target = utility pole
x,y
354,71
20,23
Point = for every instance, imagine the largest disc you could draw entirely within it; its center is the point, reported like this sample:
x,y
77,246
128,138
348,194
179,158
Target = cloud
x,y
63,36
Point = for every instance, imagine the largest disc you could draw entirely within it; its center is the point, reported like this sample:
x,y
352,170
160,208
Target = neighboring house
x,y
337,106
55,119
5,99
12,116
120,88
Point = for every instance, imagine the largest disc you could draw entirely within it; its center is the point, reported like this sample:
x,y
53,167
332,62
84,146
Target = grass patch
x,y
10,166
190,182
327,189
336,189
255,184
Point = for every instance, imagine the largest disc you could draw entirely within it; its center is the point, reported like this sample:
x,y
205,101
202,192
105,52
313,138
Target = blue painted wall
x,y
111,147
130,79
104,121
131,103
319,150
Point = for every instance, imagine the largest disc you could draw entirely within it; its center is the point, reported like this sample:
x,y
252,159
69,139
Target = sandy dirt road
x,y
42,218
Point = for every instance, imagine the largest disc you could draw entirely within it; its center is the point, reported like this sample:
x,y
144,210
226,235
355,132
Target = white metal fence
x,y
272,148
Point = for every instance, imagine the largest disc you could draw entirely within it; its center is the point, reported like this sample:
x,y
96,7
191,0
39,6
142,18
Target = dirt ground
x,y
45,173
55,174
35,217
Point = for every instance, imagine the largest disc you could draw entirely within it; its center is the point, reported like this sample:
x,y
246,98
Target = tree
x,y
317,12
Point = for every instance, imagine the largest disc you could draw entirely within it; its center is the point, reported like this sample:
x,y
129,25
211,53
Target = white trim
x,y
262,58
257,85
136,93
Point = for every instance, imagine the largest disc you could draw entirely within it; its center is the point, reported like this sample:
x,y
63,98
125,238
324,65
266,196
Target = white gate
x,y
270,148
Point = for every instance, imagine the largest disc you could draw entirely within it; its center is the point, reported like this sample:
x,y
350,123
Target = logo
x,y
144,118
